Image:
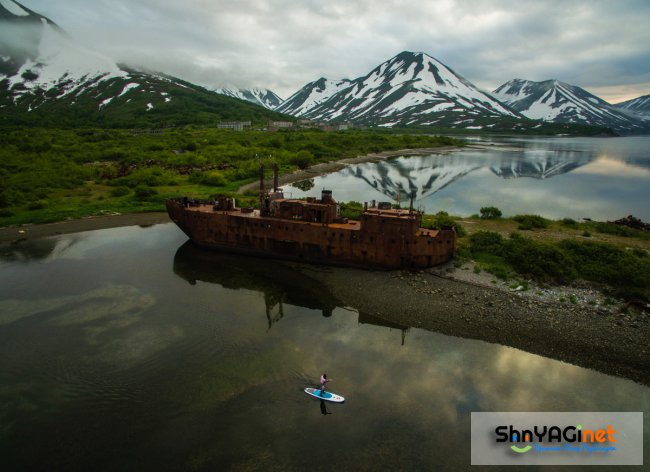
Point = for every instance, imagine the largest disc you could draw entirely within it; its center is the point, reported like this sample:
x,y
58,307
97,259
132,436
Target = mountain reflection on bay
x,y
37,249
553,177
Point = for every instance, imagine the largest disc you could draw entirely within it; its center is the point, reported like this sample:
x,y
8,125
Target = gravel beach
x,y
440,300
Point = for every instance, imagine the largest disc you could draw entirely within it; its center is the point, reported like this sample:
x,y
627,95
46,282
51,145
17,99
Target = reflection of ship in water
x,y
365,318
279,282
398,178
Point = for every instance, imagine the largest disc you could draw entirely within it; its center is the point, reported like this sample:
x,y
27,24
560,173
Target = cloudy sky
x,y
600,45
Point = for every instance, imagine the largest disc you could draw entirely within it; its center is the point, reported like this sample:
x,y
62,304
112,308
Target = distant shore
x,y
452,301
16,234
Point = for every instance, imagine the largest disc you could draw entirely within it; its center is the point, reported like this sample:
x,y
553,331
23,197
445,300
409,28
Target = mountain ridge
x,y
639,106
556,101
411,88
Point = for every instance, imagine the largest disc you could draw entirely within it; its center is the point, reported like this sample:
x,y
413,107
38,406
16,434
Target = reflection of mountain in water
x,y
540,164
423,174
37,249
279,282
426,175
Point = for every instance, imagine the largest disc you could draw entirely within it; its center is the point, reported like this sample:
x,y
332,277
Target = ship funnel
x,y
262,179
262,190
326,196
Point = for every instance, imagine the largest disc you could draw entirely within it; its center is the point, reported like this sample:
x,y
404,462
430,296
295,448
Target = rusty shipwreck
x,y
312,230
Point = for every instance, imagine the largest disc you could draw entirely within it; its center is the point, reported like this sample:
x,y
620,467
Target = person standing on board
x,y
323,381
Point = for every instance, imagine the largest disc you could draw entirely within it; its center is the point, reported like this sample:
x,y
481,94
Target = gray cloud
x,y
600,45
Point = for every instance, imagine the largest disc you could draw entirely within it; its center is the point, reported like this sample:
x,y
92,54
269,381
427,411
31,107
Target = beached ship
x,y
312,230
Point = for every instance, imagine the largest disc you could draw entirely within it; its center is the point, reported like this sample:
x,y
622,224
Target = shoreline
x,y
16,234
452,302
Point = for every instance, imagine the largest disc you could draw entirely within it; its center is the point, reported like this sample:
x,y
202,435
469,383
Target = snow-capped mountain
x,y
639,107
311,95
42,56
559,102
46,77
408,89
263,97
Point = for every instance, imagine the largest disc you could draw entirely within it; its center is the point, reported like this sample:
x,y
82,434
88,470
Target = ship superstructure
x,y
312,230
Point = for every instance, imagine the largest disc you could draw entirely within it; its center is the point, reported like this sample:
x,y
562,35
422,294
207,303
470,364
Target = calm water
x,y
598,178
127,349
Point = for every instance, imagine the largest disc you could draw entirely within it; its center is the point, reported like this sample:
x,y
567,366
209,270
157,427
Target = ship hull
x,y
350,244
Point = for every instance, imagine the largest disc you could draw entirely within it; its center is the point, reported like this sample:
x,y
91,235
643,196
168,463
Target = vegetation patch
x,y
627,272
528,222
490,213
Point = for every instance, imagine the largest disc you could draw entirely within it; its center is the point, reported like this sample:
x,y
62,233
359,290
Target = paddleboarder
x,y
323,381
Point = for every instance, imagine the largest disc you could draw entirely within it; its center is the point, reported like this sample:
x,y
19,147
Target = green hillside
x,y
156,101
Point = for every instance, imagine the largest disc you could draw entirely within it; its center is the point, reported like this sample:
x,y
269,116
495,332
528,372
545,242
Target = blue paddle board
x,y
327,396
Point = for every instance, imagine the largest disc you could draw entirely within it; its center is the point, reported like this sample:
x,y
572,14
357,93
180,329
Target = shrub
x,y
487,242
351,210
490,213
144,193
38,205
602,262
620,230
150,177
527,222
213,178
302,159
570,222
442,220
120,191
544,261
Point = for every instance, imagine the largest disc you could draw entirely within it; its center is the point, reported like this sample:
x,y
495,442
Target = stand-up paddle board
x,y
327,396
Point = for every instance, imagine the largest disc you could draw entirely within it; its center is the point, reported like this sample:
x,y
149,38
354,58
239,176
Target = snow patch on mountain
x,y
127,87
105,102
263,97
